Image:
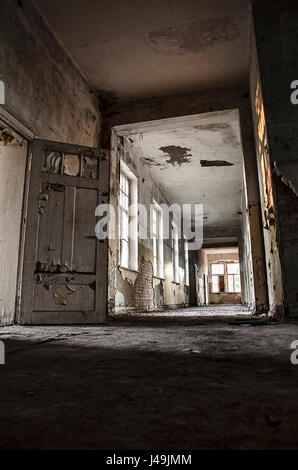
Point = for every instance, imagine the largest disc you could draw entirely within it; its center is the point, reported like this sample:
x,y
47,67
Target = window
x,y
218,277
186,261
175,253
124,220
225,277
157,240
128,219
234,284
215,284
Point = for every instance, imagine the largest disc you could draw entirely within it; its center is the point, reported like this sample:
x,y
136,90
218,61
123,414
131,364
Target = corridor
x,y
131,385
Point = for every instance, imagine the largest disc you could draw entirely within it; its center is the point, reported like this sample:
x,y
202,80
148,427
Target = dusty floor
x,y
194,314
149,385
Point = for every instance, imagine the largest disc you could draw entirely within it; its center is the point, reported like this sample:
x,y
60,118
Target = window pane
x,y
124,227
237,283
186,262
128,224
124,253
155,266
125,202
231,283
218,268
154,242
233,268
154,222
215,284
153,216
175,254
221,283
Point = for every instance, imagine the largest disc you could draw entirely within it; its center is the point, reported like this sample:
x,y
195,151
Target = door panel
x,y
71,292
49,240
84,260
65,266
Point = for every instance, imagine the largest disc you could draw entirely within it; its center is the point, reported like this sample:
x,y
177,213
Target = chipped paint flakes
x,y
58,298
196,37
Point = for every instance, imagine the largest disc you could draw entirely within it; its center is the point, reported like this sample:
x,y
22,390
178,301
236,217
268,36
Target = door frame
x,y
28,315
28,134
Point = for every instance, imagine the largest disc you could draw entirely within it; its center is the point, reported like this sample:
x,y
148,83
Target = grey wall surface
x,y
276,33
44,89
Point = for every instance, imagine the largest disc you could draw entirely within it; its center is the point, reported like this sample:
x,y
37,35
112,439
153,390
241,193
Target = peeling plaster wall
x,y
12,168
141,291
44,90
267,181
201,277
275,25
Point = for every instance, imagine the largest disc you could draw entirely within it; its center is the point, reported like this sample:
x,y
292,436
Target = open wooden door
x,y
65,267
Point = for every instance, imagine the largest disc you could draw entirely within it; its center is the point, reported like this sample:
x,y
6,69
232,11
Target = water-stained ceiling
x,y
140,48
196,159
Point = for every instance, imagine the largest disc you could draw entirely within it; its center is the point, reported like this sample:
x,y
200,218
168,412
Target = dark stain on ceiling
x,y
205,163
228,135
177,154
213,127
195,37
135,49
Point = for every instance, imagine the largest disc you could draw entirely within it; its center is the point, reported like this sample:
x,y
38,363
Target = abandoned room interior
x,y
142,106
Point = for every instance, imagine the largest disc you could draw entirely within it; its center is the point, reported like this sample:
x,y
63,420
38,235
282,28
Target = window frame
x,y
216,276
175,253
157,240
233,276
226,275
131,260
124,212
186,261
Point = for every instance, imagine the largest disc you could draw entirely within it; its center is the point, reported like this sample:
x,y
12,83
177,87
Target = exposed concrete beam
x,y
171,106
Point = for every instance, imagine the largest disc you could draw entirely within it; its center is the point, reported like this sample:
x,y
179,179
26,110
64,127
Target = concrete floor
x,y
221,312
149,385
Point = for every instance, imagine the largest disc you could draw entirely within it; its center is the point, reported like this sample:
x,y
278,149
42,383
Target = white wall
x,y
12,175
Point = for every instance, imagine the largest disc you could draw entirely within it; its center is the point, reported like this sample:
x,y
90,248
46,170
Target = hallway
x,y
149,214
129,385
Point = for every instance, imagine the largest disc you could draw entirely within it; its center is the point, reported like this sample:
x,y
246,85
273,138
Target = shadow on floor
x,y
148,387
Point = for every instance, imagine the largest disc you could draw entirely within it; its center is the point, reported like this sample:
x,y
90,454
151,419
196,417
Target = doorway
x,y
13,162
190,160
